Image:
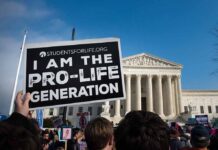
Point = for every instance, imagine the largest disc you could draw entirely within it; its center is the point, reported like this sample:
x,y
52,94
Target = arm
x,y
19,117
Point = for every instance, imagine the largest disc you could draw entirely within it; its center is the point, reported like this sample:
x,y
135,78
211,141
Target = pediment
x,y
145,60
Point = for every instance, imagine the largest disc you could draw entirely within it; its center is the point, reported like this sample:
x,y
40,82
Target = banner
x,y
39,117
73,72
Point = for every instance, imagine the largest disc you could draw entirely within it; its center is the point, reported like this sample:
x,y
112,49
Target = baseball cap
x,y
200,136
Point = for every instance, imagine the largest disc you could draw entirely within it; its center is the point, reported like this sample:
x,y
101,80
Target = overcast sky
x,y
176,30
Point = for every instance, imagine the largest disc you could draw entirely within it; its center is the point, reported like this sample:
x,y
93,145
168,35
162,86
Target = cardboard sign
x,y
74,72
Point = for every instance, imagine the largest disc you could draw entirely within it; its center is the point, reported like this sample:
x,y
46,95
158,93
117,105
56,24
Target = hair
x,y
45,132
75,131
142,130
17,138
98,133
174,132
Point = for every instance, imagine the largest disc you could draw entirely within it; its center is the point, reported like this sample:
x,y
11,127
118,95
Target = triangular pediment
x,y
145,60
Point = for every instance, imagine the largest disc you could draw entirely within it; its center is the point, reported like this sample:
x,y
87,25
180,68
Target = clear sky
x,y
176,30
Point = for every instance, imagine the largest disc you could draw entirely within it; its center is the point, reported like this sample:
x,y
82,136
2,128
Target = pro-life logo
x,y
42,54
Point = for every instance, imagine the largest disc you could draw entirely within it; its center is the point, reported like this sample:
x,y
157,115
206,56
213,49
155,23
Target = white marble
x,y
163,94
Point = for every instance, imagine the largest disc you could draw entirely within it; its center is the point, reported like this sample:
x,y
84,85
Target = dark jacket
x,y
176,144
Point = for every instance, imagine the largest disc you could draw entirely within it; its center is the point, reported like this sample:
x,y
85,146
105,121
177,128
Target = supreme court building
x,y
152,84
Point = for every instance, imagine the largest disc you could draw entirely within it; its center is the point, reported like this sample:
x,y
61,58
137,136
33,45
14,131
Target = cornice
x,y
200,92
144,60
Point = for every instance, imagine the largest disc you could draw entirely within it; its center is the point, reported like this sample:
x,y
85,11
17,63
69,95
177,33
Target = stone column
x,y
117,108
138,92
181,109
169,95
149,94
67,111
160,96
128,93
176,94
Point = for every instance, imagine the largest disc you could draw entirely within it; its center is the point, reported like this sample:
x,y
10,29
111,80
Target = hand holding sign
x,y
22,103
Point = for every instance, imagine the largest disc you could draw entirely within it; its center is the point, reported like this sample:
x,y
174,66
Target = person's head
x,y
79,135
75,133
200,137
142,130
56,138
60,148
36,128
99,134
67,131
174,133
17,138
45,135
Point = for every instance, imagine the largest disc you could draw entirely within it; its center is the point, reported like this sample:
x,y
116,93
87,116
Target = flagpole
x,y
17,75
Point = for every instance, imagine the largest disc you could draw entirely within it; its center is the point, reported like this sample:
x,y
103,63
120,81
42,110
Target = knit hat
x,y
200,137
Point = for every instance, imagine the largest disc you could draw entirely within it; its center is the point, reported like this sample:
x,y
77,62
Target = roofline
x,y
153,67
199,90
155,57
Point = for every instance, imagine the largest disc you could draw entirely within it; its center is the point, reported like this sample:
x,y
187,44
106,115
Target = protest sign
x,y
74,72
57,121
66,133
201,119
39,117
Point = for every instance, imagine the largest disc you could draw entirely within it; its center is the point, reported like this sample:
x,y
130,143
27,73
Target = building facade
x,y
152,84
201,102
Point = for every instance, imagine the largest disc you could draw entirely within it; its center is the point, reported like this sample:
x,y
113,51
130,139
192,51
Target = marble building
x,y
152,84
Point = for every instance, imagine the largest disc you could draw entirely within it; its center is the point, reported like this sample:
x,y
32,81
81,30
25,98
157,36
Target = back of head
x,y
17,138
142,130
200,137
98,133
174,132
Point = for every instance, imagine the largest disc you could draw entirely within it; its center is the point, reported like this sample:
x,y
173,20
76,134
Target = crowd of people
x,y
51,140
138,130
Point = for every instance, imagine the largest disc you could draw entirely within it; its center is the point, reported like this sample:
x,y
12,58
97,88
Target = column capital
x,y
178,76
159,76
128,75
149,75
169,76
138,75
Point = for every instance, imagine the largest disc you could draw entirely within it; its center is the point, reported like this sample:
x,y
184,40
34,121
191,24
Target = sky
x,y
177,30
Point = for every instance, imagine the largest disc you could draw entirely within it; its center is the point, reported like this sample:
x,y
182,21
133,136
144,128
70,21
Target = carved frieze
x,y
144,60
